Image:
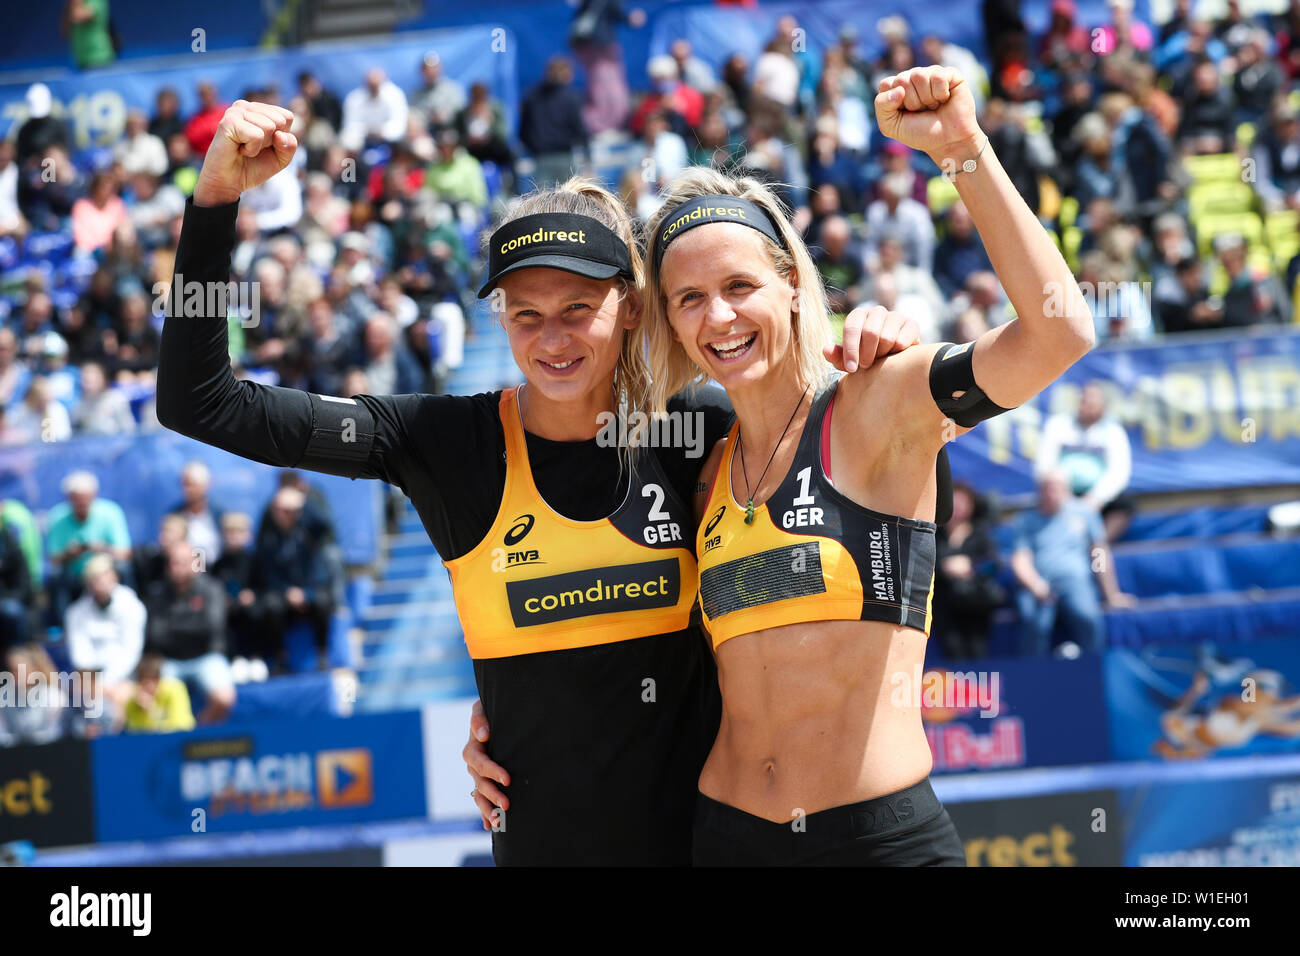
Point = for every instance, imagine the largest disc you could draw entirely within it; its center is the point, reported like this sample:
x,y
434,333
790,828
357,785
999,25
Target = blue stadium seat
x,y
1197,522
469,231
1238,563
96,158
492,175
1181,619
360,592
1218,617
293,695
64,298
339,650
300,648
75,274
51,247
300,645
376,155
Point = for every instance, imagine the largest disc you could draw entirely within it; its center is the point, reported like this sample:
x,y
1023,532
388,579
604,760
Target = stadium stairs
x,y
413,650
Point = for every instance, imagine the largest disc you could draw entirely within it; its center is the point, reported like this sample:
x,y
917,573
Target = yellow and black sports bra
x,y
542,582
811,554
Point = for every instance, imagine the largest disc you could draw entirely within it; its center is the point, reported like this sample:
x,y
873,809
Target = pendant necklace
x,y
740,446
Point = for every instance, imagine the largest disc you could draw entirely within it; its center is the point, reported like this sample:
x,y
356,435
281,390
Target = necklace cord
x,y
740,446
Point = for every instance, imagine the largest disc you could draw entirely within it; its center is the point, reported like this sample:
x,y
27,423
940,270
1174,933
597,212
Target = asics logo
x,y
519,530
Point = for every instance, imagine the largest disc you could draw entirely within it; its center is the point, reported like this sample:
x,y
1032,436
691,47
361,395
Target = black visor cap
x,y
565,241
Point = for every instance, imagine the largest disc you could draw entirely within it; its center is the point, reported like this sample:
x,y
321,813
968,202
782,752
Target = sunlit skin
x,y
810,720
550,317
553,318
807,720
733,293
550,322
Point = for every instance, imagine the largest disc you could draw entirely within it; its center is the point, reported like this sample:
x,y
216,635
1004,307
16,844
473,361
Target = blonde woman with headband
x,y
816,541
571,561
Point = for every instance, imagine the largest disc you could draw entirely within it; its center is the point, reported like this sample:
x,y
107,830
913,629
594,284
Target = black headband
x,y
557,240
706,209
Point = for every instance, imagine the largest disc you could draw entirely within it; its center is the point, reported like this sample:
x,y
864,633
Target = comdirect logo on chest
x,y
562,597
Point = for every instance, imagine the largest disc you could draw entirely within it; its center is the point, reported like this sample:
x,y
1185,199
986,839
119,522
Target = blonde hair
x,y
583,196
674,369
96,566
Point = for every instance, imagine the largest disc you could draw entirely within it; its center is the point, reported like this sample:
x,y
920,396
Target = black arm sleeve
x,y
445,451
199,396
950,372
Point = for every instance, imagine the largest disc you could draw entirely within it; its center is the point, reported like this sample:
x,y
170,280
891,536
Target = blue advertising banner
x,y
1189,703
34,39
96,103
1243,822
142,474
297,773
1202,411
1009,714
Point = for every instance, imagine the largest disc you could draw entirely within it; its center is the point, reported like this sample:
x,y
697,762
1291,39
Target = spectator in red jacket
x,y
684,105
1065,39
203,124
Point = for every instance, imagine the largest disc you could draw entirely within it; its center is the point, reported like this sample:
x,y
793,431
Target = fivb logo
x,y
503,560
77,909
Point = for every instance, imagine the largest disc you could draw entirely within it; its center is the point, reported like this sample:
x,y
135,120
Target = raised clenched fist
x,y
252,144
928,108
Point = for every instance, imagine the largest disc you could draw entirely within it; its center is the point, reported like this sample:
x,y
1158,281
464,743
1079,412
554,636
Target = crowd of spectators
x,y
153,630
364,251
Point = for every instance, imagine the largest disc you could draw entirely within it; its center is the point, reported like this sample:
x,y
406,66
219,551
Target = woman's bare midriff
x,y
816,716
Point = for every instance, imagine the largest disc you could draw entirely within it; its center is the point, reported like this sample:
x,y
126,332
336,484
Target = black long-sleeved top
x,y
284,559
550,119
597,776
15,577
183,626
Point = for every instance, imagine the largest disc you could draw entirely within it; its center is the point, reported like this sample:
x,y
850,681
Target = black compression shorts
x,y
907,828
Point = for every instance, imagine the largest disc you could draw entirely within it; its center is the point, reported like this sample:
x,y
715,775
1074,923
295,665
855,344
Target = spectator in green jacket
x,y
85,24
14,514
455,175
79,528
